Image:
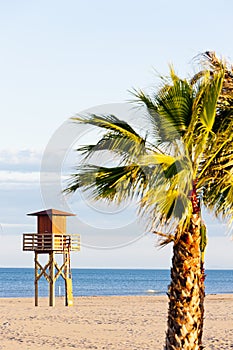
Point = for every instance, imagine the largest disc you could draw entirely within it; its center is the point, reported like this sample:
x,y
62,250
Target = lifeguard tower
x,y
51,238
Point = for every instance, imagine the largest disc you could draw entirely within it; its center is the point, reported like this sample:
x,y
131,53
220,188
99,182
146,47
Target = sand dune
x,y
110,323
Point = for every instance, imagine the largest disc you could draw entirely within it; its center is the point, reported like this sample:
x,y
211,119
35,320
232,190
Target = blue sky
x,y
59,58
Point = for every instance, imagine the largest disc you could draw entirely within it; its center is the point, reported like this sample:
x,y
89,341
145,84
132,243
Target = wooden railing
x,y
57,242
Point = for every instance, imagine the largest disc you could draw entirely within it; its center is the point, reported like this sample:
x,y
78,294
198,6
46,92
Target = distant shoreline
x,y
121,268
149,295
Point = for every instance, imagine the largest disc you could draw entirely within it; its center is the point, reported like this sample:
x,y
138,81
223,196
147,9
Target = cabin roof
x,y
51,212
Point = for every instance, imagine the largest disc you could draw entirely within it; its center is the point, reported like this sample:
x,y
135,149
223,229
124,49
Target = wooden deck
x,y
47,242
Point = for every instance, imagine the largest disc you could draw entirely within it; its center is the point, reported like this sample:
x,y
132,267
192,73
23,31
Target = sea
x,y
19,282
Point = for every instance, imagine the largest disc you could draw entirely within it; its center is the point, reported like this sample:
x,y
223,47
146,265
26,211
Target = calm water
x,y
17,282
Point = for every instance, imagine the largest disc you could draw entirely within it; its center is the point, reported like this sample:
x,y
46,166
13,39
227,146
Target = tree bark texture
x,y
186,298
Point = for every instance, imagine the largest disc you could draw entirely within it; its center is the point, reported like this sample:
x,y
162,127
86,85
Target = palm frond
x,y
218,196
212,64
156,158
124,147
190,142
169,110
212,88
216,173
166,197
203,118
115,183
109,122
120,139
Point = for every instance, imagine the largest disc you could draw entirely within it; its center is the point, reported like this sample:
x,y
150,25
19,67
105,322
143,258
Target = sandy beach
x,y
110,323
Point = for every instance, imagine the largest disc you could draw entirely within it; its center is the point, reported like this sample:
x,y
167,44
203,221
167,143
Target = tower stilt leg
x,y
36,279
68,281
52,280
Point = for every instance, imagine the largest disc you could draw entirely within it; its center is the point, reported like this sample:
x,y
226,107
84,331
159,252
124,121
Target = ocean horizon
x,y
19,282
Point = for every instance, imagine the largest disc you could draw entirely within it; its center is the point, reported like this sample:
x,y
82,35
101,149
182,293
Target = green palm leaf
x,y
185,124
170,110
185,161
208,114
122,139
116,183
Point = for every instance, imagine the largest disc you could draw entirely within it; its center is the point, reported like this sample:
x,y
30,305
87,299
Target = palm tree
x,y
184,162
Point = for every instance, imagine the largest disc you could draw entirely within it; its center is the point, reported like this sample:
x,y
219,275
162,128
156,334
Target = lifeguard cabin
x,y
51,238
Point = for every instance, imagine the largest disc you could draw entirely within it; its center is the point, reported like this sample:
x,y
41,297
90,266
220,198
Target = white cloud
x,y
11,180
19,168
25,160
16,176
3,225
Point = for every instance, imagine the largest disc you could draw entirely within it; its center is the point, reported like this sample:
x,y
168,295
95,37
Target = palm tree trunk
x,y
186,299
202,299
202,280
